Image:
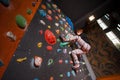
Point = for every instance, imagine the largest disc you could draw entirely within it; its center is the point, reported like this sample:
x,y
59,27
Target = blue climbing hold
x,y
66,61
61,22
36,79
68,74
59,50
5,2
42,13
1,63
70,22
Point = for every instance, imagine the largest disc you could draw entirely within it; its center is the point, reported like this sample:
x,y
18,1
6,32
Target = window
x,y
102,24
118,27
114,39
107,16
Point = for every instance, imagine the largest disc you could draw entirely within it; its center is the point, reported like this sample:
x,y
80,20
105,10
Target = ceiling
x,y
80,10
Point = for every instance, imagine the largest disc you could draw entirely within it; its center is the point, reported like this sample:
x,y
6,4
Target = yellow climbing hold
x,y
39,44
21,59
49,27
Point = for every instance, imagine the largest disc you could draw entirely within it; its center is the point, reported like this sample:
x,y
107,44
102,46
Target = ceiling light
x,y
92,17
118,28
118,25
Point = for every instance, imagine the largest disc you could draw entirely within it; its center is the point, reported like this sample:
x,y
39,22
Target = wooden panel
x,y
7,23
111,77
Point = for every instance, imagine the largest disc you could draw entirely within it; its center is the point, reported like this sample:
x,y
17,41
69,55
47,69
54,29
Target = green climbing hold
x,y
21,21
61,75
50,61
63,44
58,40
62,28
29,11
48,5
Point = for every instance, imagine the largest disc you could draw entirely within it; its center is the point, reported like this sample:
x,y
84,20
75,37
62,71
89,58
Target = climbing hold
x,y
50,37
49,12
56,17
57,31
60,61
42,13
36,79
1,63
64,51
48,5
10,35
68,45
41,32
65,26
21,21
57,24
71,62
68,74
66,23
50,61
62,28
33,4
51,78
42,22
66,31
59,50
49,0
54,6
49,27
61,22
73,73
63,19
49,17
39,44
80,70
43,6
58,40
49,48
58,10
5,2
63,44
61,75
29,11
66,61
60,16
21,59
37,61
54,11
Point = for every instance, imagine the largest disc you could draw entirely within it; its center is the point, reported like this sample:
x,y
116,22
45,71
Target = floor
x,y
7,22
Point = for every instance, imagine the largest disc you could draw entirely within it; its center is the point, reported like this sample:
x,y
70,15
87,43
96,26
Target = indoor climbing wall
x,y
41,54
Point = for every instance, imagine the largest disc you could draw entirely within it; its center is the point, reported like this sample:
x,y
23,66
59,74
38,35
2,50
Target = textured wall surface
x,y
104,57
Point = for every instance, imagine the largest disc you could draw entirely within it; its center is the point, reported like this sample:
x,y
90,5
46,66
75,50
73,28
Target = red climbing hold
x,y
41,32
50,37
49,48
49,17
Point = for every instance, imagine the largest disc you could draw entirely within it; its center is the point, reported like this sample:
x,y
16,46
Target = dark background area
x,y
80,10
